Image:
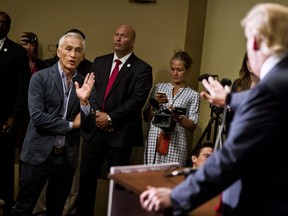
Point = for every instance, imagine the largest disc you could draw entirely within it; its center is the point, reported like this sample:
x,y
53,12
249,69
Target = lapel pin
x,y
5,49
128,65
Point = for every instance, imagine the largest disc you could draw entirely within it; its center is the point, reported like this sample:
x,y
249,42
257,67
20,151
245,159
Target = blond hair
x,y
268,22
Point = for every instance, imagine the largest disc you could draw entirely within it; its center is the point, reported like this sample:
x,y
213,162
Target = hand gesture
x,y
9,126
216,94
84,92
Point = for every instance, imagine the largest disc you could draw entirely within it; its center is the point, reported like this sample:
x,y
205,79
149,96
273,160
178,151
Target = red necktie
x,y
112,79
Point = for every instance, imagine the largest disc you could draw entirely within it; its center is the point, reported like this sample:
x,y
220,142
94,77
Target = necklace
x,y
177,95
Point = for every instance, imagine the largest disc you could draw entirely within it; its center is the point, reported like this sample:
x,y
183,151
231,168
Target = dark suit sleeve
x,y
88,123
22,71
236,98
248,144
140,90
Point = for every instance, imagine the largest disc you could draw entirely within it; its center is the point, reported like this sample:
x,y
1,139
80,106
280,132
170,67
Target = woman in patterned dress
x,y
166,145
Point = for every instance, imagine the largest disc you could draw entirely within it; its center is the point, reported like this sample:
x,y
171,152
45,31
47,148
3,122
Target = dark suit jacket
x,y
14,77
125,100
45,99
255,152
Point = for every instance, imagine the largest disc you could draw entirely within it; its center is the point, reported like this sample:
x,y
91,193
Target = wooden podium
x,y
128,182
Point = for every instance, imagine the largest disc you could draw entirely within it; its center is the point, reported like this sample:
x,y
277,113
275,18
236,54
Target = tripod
x,y
215,118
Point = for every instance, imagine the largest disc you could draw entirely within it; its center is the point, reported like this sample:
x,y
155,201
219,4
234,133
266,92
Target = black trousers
x,y
94,155
7,159
57,170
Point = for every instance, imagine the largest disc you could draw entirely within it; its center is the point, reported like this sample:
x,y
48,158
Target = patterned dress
x,y
177,151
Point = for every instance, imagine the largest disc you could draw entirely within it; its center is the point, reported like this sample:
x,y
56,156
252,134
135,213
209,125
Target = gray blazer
x,y
45,99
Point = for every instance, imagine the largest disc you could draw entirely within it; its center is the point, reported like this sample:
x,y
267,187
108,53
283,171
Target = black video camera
x,y
223,82
163,117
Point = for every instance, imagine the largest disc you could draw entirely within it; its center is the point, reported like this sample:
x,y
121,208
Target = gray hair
x,y
71,34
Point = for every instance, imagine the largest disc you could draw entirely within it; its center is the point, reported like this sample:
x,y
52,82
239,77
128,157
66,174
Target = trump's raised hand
x,y
216,93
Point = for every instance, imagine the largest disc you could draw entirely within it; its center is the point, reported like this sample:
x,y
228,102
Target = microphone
x,y
205,76
226,81
185,171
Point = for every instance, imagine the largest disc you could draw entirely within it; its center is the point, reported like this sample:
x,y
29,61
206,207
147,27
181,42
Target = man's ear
x,y
58,52
194,159
256,44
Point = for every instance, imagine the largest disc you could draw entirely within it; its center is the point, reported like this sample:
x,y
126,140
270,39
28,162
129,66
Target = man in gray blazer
x,y
51,145
255,151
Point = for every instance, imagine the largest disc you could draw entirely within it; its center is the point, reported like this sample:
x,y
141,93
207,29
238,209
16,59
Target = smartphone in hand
x,y
161,97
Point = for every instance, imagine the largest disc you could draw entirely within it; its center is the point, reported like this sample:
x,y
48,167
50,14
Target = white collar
x,y
270,63
2,42
123,59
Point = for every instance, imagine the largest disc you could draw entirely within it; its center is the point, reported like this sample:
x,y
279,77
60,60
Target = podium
x,y
128,182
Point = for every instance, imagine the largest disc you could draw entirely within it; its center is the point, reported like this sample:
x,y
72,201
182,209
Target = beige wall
x,y
208,29
160,27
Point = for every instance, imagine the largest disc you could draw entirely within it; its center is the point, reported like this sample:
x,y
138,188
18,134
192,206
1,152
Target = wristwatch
x,y
109,120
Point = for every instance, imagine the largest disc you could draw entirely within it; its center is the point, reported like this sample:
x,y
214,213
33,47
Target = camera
x,y
28,39
163,117
224,82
